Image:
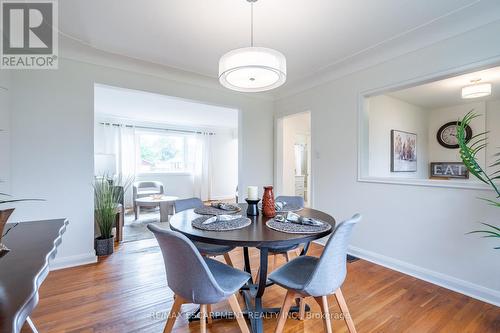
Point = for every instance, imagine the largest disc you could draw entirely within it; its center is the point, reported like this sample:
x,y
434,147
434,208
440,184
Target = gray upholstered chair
x,y
318,277
296,201
288,251
293,200
208,250
145,189
197,280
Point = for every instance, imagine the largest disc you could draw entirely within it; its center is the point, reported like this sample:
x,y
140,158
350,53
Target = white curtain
x,y
120,142
200,157
127,160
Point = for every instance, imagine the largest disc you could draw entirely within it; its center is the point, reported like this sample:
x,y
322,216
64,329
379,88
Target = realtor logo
x,y
29,34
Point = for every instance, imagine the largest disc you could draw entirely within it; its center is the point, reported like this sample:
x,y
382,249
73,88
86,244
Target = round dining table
x,y
258,235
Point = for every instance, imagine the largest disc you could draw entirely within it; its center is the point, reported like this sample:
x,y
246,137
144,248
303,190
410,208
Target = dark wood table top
x,y
257,234
24,268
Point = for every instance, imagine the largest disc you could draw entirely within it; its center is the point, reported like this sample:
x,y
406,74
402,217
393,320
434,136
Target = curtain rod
x,y
158,128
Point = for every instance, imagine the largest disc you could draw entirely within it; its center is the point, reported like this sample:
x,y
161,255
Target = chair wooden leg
x,y
301,303
235,306
228,260
287,303
174,312
209,314
275,261
345,311
325,312
203,318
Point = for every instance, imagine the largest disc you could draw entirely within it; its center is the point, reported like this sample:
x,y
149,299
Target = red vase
x,y
268,208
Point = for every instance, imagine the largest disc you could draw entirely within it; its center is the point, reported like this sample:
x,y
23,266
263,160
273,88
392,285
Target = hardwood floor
x,y
127,292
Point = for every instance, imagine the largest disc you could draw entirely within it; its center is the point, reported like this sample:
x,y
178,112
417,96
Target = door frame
x,y
278,154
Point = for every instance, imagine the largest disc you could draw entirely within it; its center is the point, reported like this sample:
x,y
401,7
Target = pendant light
x,y
252,69
476,90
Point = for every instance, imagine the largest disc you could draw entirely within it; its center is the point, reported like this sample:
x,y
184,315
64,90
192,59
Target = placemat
x,y
221,225
294,228
207,210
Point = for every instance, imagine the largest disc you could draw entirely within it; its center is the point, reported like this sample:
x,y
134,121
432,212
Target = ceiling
x,y
192,34
145,107
447,92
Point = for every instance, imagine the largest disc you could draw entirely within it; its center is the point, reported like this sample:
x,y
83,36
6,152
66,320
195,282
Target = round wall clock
x,y
447,134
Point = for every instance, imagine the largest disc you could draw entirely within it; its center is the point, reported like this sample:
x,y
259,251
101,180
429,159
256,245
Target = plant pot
x,y
104,246
4,216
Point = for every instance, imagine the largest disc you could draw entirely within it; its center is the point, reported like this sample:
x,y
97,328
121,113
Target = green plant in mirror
x,y
108,193
469,151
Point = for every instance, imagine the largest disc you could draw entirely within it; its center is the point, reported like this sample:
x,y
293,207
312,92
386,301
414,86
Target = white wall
x,y
493,128
416,229
4,132
385,114
179,185
52,135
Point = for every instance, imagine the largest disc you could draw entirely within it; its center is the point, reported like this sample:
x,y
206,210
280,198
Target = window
x,y
161,152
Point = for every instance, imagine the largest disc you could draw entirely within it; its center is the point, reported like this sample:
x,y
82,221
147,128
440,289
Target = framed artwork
x,y
449,170
403,151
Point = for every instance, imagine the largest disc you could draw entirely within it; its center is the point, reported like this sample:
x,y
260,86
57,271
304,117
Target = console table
x,y
24,268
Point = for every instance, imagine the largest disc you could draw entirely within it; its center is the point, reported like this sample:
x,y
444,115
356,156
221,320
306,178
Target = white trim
x,y
71,261
372,57
446,281
471,185
79,51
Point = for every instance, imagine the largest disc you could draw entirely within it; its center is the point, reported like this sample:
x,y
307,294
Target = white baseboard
x,y
464,287
71,261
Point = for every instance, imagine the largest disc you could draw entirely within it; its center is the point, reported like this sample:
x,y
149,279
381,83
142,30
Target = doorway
x,y
294,156
170,148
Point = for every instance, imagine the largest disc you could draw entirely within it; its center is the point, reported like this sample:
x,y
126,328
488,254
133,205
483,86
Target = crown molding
x,y
480,14
76,50
471,17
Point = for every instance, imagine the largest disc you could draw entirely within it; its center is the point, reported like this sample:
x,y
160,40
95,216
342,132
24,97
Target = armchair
x,y
145,189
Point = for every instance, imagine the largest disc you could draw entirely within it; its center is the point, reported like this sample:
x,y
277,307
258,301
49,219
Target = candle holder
x,y
253,209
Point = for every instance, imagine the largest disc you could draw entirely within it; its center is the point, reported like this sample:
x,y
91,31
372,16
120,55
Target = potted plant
x,y
468,154
107,195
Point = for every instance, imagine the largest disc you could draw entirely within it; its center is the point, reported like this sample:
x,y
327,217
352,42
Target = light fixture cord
x,y
251,24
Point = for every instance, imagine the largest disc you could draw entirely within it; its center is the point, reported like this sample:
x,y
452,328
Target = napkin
x,y
296,218
221,218
279,205
224,206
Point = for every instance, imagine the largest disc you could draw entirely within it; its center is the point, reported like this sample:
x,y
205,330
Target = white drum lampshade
x,y
252,69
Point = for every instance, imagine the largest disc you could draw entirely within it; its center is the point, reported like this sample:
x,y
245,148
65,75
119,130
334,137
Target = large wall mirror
x,y
409,135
